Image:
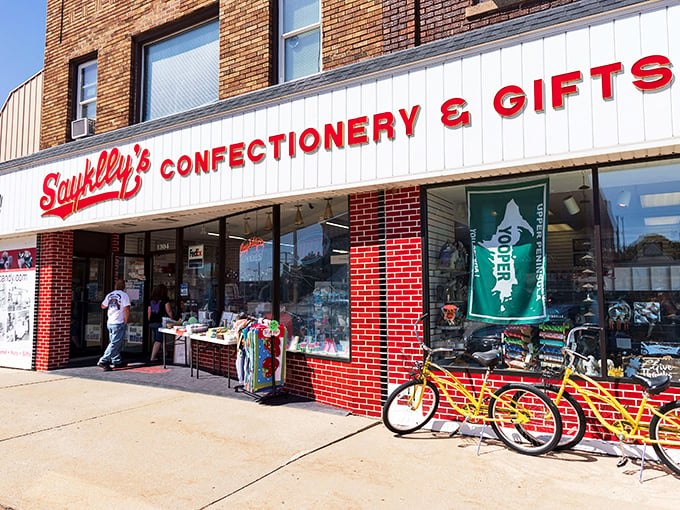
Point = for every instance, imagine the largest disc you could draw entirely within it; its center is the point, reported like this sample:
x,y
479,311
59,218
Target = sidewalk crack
x,y
293,459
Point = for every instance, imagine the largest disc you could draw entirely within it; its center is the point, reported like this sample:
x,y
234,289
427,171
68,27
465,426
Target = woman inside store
x,y
159,307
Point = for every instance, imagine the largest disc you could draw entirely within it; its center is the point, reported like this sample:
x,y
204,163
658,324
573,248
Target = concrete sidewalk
x,y
70,442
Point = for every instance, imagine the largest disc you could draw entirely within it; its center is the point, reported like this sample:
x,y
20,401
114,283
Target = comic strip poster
x,y
17,302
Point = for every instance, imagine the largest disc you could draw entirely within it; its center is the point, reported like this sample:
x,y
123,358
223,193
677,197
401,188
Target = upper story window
x,y
180,72
300,29
86,99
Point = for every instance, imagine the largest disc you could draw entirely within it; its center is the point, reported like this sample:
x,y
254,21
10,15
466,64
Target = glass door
x,y
87,319
130,268
163,271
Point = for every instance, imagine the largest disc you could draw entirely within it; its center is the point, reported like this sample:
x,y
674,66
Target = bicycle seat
x,y
653,385
487,359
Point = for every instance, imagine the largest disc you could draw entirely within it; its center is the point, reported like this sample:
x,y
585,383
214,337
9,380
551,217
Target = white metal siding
x,y
20,120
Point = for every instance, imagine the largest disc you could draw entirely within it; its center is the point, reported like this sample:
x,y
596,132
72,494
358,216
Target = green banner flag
x,y
507,235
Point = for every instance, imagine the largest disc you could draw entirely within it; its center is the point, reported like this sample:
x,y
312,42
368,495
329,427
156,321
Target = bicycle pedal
x,y
622,462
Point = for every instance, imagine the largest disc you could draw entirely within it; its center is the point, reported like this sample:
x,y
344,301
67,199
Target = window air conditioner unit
x,y
81,128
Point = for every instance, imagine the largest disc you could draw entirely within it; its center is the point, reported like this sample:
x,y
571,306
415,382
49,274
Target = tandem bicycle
x,y
521,416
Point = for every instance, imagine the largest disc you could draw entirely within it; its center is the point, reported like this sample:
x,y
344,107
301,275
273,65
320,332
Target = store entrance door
x,y
87,320
130,268
163,271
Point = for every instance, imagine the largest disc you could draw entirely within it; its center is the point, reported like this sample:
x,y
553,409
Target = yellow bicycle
x,y
662,430
522,417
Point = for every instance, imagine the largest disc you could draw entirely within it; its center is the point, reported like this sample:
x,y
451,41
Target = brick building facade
x,y
367,132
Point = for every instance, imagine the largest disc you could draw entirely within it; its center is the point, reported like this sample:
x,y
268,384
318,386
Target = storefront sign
x,y
508,235
63,196
195,259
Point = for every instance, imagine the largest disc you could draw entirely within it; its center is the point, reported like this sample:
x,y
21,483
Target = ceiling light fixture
x,y
658,221
246,227
571,205
337,225
623,199
328,213
298,215
268,224
660,199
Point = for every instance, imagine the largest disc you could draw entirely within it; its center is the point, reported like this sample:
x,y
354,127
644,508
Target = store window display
x,y
640,211
249,256
314,269
562,270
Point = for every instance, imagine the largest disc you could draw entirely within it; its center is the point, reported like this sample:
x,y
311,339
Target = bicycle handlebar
x,y
571,341
415,330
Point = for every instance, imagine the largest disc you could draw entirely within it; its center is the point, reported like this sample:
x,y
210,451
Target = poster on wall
x,y
17,302
508,226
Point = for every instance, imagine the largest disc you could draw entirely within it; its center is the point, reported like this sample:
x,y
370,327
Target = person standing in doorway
x,y
117,304
159,307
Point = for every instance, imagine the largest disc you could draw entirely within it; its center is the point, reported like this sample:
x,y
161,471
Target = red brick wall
x,y
54,300
338,383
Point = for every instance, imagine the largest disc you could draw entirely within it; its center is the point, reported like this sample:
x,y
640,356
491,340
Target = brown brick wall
x,y
107,28
442,19
246,51
353,30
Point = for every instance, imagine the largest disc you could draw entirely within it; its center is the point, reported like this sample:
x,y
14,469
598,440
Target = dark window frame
x,y
157,33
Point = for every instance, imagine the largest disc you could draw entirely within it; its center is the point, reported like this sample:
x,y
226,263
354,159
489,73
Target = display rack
x,y
519,346
552,338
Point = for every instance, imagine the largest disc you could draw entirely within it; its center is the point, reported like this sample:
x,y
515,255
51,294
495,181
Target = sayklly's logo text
x,y
63,197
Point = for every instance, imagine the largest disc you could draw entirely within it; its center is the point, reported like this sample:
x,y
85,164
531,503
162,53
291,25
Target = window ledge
x,y
489,6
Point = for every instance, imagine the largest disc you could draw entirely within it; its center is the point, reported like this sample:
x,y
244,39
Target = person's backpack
x,y
155,307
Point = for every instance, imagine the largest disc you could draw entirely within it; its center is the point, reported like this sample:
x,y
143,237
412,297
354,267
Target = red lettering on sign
x,y
656,78
563,85
64,197
356,131
606,73
452,116
516,98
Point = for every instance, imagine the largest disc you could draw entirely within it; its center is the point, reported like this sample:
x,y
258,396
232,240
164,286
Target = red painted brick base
x,y
54,299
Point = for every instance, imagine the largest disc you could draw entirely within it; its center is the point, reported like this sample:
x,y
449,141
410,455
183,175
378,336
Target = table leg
x,y
228,367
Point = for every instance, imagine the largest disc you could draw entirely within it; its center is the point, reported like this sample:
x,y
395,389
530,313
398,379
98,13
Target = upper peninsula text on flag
x,y
508,235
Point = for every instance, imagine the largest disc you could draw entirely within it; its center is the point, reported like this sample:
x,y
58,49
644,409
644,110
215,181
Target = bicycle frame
x,y
629,427
475,409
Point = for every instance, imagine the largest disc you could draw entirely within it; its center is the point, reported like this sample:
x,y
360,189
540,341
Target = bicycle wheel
x,y
410,406
525,419
667,428
573,417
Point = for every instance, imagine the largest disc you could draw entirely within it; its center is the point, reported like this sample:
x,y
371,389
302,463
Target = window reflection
x,y
641,256
315,277
249,264
199,288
